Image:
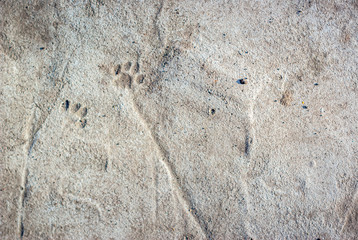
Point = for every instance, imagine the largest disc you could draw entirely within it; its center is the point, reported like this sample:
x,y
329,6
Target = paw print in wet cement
x,y
77,113
127,74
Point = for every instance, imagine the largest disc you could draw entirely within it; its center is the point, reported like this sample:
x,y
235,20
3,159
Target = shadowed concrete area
x,y
178,119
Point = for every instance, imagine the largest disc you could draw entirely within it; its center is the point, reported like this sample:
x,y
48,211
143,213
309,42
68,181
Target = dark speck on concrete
x,y
242,81
304,107
42,48
316,84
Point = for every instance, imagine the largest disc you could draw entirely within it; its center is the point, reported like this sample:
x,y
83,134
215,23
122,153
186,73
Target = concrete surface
x,y
178,119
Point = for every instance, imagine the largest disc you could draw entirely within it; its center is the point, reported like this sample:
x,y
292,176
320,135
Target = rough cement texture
x,y
178,119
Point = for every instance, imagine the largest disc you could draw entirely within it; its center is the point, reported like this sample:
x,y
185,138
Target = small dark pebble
x,y
316,84
275,100
304,107
42,48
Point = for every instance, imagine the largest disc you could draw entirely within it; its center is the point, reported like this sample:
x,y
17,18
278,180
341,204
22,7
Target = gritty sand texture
x,y
178,119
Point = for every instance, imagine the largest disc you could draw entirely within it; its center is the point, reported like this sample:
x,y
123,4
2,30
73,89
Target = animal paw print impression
x,y
77,113
127,74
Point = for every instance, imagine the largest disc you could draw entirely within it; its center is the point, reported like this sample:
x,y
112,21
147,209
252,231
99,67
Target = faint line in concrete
x,y
163,156
156,20
31,135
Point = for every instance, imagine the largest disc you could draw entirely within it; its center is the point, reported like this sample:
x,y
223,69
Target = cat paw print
x,y
127,75
77,113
